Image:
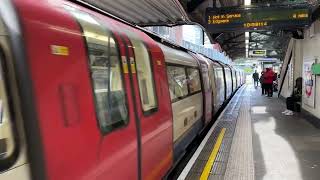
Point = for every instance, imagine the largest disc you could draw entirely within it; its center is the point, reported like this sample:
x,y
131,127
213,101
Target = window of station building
x,y
177,79
194,83
7,141
145,77
106,74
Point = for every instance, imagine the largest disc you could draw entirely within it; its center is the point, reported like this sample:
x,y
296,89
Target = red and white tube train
x,y
85,96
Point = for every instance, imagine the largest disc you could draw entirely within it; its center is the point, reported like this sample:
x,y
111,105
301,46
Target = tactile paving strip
x,y
240,163
227,120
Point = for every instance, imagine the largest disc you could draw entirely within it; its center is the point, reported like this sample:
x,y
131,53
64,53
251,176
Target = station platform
x,y
252,139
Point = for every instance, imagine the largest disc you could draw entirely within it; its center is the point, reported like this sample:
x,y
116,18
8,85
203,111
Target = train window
x,y
145,77
7,143
177,82
205,77
194,83
105,69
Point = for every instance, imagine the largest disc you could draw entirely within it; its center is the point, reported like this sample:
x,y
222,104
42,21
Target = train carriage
x,y
86,96
186,97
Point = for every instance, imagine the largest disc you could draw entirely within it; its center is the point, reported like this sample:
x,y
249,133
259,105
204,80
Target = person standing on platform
x,y
255,77
268,80
263,87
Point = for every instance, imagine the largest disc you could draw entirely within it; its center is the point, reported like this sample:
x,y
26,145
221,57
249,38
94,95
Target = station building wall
x,y
305,50
311,52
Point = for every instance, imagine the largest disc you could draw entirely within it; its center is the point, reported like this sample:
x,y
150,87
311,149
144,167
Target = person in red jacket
x,y
268,80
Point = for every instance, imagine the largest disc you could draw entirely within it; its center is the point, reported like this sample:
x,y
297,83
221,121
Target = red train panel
x,y
101,94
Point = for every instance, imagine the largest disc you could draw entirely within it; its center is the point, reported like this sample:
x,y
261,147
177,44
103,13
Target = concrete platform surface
x,y
260,143
284,147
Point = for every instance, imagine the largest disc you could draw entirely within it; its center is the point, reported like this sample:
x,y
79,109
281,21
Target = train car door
x,y
113,97
228,80
220,87
81,91
233,80
206,86
13,154
152,98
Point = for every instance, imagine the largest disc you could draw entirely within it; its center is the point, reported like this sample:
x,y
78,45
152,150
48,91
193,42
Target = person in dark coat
x,y
263,87
255,77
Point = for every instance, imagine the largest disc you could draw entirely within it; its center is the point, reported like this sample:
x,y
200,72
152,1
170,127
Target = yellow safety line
x,y
206,171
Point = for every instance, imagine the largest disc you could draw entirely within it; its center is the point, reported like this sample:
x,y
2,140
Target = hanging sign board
x,y
258,53
235,19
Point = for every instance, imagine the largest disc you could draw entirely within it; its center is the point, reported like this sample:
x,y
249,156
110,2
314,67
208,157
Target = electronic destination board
x,y
228,19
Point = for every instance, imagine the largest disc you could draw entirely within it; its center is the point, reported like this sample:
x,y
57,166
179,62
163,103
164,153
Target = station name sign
x,y
231,19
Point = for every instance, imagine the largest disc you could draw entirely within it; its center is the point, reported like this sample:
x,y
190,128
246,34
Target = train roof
x,y
175,56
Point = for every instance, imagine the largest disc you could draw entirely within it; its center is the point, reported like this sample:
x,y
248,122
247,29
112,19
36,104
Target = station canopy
x,y
144,12
264,26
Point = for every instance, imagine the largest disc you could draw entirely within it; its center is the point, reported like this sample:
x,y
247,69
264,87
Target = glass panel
x,y
193,80
177,82
7,143
105,68
145,76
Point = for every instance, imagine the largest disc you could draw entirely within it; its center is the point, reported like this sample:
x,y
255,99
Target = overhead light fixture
x,y
247,2
247,37
247,34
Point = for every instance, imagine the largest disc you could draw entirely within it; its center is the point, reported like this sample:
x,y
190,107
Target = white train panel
x,y
185,113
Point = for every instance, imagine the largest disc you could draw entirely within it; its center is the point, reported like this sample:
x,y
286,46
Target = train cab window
x,y
145,77
177,79
7,143
194,83
105,69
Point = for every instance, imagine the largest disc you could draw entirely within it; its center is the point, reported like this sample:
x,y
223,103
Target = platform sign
x,y
308,84
316,69
258,53
267,60
231,19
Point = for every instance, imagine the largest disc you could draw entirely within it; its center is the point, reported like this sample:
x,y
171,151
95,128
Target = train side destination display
x,y
231,19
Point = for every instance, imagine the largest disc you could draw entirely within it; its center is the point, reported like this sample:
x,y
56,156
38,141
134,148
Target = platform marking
x,y
196,154
234,105
207,168
193,159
